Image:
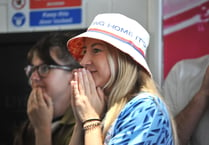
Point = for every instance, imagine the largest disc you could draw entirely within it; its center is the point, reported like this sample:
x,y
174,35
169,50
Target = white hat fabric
x,y
118,30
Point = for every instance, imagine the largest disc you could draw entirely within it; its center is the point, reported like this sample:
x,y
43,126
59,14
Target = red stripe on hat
x,y
120,38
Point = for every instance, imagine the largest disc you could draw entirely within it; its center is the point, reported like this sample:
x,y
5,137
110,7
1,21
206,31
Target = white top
x,y
181,84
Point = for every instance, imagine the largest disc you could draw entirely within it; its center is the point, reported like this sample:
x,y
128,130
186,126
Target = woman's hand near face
x,y
87,100
40,109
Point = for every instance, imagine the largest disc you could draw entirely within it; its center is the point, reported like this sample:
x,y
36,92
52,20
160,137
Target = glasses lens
x,y
43,70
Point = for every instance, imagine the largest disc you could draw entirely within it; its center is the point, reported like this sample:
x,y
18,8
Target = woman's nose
x,y
34,76
85,60
34,79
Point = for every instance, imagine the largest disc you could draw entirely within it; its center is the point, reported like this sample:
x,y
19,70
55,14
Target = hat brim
x,y
122,45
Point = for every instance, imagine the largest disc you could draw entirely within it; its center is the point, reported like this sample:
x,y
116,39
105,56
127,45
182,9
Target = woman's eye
x,y
43,69
83,51
96,50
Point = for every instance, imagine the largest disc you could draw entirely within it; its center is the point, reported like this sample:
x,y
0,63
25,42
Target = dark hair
x,y
55,41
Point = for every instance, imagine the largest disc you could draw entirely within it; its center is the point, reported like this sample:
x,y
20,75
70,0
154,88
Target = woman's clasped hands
x,y
40,109
88,100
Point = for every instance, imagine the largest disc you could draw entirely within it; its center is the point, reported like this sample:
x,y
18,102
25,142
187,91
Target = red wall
x,y
186,34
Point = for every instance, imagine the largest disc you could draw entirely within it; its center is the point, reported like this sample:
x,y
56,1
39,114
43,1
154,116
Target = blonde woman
x,y
115,100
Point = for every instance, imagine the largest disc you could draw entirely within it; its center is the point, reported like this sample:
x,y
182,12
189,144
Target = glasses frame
x,y
30,69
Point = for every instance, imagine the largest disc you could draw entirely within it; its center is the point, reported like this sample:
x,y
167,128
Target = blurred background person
x,y
49,71
186,90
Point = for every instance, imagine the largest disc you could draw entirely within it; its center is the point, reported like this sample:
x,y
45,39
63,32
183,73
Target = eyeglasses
x,y
43,69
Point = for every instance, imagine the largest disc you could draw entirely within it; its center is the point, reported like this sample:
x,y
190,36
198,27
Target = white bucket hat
x,y
118,30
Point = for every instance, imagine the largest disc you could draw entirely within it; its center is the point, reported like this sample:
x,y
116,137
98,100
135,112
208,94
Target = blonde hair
x,y
127,80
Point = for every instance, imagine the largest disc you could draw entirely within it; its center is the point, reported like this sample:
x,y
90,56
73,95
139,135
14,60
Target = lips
x,y
93,71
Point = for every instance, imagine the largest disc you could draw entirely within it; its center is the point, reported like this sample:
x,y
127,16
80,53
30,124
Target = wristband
x,y
91,126
90,120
